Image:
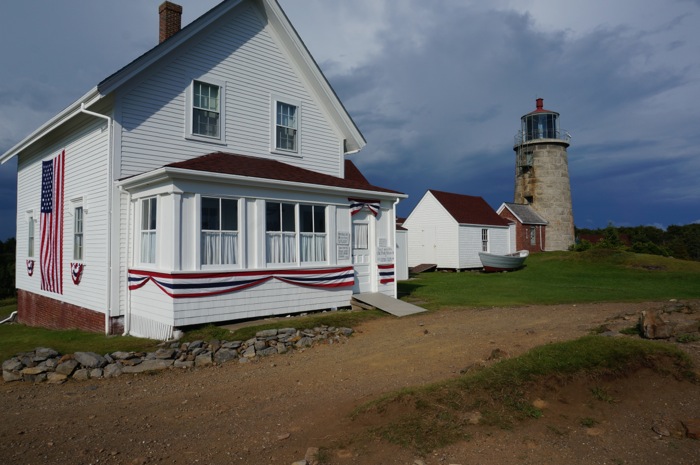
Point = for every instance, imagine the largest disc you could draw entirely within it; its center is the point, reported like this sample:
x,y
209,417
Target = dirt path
x,y
272,410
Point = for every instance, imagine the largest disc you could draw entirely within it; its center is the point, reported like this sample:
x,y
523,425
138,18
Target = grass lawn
x,y
548,278
561,277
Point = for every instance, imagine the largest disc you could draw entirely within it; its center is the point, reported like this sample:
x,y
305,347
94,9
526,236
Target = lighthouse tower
x,y
542,174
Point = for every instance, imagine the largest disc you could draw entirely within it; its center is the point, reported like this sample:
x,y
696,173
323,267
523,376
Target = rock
x,y
474,417
267,351
311,456
112,370
224,355
304,342
13,364
540,404
164,354
121,355
660,430
9,376
56,378
67,368
148,365
31,371
183,364
81,374
497,354
249,352
654,327
266,333
44,352
283,436
203,360
196,345
692,428
90,359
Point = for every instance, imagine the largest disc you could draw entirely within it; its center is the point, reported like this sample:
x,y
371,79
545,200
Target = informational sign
x,y
385,255
383,242
343,252
343,238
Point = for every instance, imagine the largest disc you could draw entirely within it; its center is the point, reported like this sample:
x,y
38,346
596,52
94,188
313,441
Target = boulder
x,y
67,368
654,327
90,359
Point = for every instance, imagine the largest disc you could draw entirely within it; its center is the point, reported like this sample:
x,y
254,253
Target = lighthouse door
x,y
362,233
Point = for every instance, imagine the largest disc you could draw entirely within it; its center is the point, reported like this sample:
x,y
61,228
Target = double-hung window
x,y
78,233
149,216
287,127
280,232
219,231
206,110
312,236
484,240
30,237
533,235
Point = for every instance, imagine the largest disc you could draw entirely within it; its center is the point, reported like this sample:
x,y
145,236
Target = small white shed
x,y
449,230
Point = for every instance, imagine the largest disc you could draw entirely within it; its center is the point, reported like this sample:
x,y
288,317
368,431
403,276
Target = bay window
x,y
219,225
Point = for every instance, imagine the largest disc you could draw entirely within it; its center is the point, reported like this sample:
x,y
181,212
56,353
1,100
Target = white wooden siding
x,y
242,52
470,243
432,234
86,178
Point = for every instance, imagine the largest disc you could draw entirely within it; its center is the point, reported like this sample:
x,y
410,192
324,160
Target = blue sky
x,y
437,88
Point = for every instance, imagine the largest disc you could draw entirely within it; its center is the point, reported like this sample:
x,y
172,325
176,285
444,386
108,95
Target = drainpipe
x,y
127,294
9,318
109,209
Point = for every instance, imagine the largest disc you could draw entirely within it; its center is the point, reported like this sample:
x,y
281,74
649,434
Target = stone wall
x,y
45,364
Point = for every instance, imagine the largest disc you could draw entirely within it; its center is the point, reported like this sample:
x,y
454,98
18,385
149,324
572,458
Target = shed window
x,y
484,240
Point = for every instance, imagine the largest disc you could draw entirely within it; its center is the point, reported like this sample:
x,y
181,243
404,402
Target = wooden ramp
x,y
388,304
423,267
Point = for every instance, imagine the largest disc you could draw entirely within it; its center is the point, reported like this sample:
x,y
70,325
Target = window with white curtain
x,y
280,232
360,236
312,236
149,215
219,244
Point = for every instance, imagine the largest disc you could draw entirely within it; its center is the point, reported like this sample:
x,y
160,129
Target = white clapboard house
x,y
449,230
205,181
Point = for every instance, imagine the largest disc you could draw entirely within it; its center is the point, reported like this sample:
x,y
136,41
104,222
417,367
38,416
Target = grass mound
x,y
429,417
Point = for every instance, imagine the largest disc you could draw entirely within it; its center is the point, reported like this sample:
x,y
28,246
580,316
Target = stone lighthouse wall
x,y
542,180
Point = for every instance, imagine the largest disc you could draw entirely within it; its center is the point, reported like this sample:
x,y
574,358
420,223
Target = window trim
x,y
274,146
189,110
239,256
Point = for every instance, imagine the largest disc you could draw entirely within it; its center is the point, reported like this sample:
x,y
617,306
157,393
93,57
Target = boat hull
x,y
493,262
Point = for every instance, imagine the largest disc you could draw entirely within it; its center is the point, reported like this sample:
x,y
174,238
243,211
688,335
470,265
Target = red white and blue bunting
x,y
187,285
76,272
356,206
386,274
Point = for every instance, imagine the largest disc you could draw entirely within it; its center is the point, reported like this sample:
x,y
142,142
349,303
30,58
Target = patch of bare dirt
x,y
272,410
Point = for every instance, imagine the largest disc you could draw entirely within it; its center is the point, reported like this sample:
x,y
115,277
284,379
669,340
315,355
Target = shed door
x,y
362,230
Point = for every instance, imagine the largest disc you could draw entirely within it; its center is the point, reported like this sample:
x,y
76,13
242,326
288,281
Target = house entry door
x,y
362,232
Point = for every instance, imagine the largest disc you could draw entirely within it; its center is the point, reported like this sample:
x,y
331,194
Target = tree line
x,y
681,242
7,268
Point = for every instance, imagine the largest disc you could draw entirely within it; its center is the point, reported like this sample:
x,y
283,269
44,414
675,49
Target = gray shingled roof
x,y
525,213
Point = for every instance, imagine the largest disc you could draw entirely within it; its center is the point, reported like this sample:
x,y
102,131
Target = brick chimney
x,y
170,20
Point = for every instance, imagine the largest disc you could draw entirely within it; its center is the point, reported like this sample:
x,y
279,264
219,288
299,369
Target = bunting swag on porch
x,y
180,286
51,258
357,205
386,274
